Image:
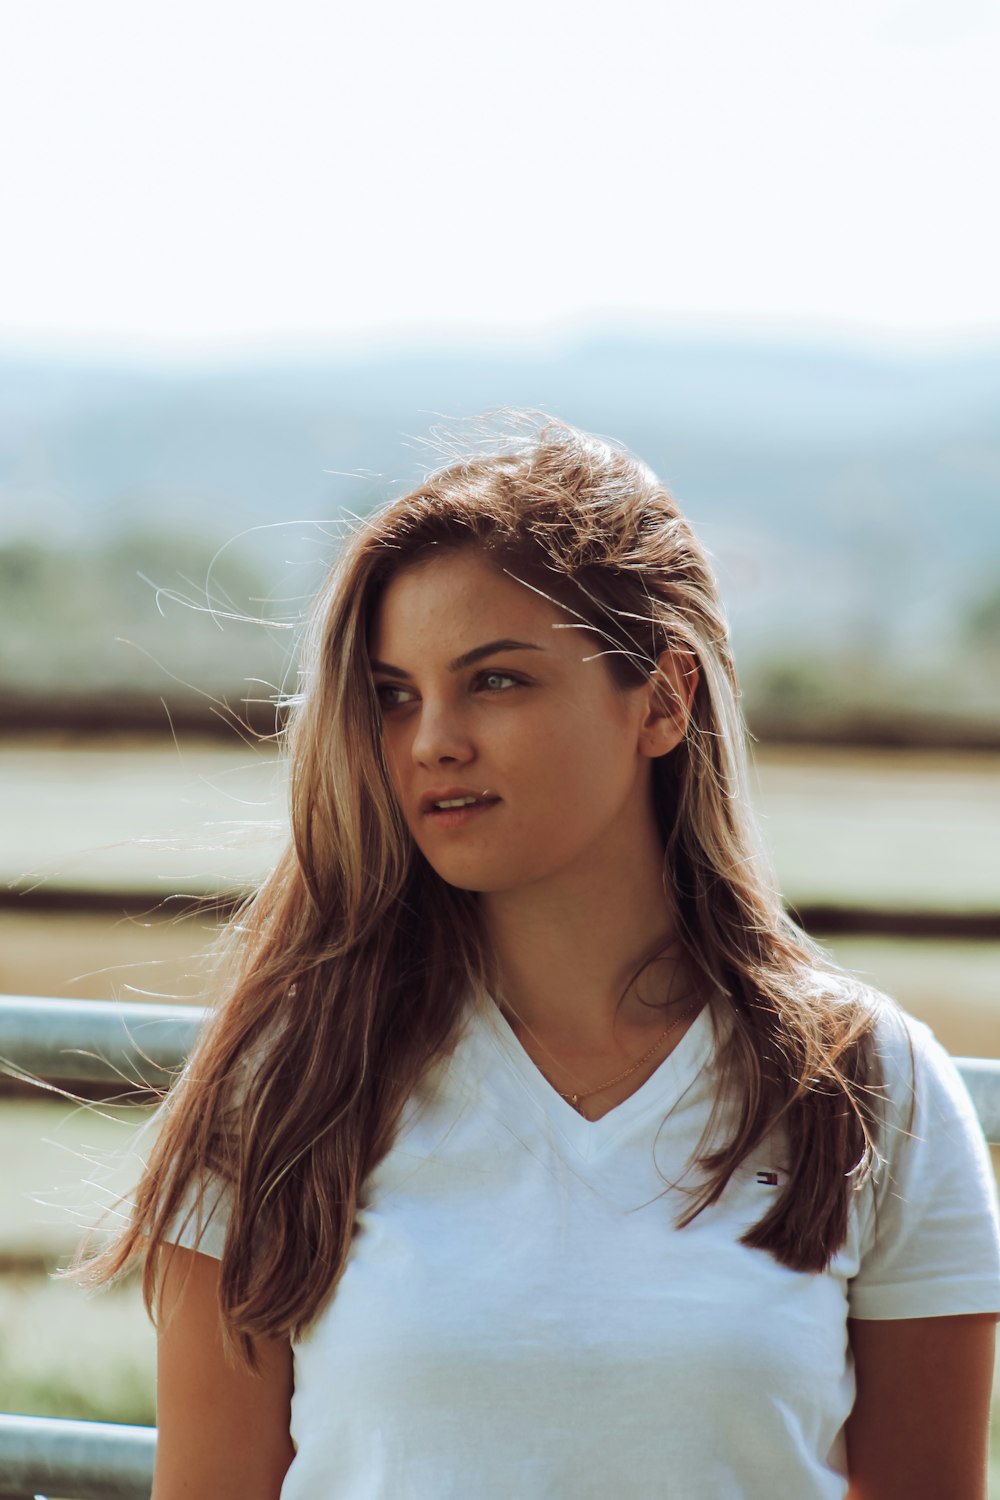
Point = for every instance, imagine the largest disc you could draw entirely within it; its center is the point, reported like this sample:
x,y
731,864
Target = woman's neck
x,y
566,955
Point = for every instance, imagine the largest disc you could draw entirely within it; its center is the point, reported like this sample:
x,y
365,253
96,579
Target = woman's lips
x,y
457,817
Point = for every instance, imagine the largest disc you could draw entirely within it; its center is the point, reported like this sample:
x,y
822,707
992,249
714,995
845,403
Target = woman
x,y
534,1151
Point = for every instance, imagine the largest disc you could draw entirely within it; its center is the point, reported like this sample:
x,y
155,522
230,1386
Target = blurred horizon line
x,y
563,334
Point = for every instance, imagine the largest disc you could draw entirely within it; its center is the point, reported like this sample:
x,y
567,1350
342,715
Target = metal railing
x,y
83,1043
77,1460
141,1046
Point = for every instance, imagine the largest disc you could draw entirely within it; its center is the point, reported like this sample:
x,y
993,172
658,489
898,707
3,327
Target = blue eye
x,y
486,677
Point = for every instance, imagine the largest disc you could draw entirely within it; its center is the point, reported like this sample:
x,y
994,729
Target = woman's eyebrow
x,y
467,659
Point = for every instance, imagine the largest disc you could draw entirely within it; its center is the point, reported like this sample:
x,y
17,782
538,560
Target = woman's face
x,y
481,695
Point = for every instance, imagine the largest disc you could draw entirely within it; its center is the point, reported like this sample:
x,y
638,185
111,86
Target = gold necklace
x,y
576,1099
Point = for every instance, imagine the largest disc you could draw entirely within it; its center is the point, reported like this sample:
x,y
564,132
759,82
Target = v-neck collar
x,y
589,1139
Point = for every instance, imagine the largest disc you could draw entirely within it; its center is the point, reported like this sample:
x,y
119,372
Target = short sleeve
x,y
202,1218
930,1240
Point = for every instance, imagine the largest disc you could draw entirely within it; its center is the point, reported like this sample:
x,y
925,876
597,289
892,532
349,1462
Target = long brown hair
x,y
352,964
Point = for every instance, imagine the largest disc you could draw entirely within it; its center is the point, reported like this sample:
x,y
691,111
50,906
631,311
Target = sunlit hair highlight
x,y
353,963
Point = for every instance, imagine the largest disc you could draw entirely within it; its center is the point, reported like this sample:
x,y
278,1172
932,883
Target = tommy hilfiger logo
x,y
767,1179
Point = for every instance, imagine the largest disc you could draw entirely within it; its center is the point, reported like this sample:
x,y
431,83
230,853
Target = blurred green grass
x,y
65,1352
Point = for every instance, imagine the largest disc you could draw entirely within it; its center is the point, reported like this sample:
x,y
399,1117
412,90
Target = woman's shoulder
x,y
931,1242
206,1204
907,1063
894,1030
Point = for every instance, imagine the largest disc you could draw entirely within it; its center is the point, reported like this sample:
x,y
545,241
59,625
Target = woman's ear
x,y
670,695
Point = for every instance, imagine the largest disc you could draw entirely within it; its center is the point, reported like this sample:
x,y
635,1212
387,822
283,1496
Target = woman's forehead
x,y
444,596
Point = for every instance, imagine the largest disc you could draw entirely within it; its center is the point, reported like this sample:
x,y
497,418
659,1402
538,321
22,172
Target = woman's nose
x,y
440,736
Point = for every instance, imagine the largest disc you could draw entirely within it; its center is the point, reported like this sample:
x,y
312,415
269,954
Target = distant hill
x,y
851,500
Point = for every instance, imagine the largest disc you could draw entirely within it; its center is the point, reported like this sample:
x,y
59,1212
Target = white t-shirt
x,y
520,1316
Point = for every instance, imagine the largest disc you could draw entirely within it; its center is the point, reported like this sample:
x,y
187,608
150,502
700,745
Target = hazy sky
x,y
205,170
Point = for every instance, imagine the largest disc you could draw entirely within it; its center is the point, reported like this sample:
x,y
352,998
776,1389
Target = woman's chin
x,y
477,877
